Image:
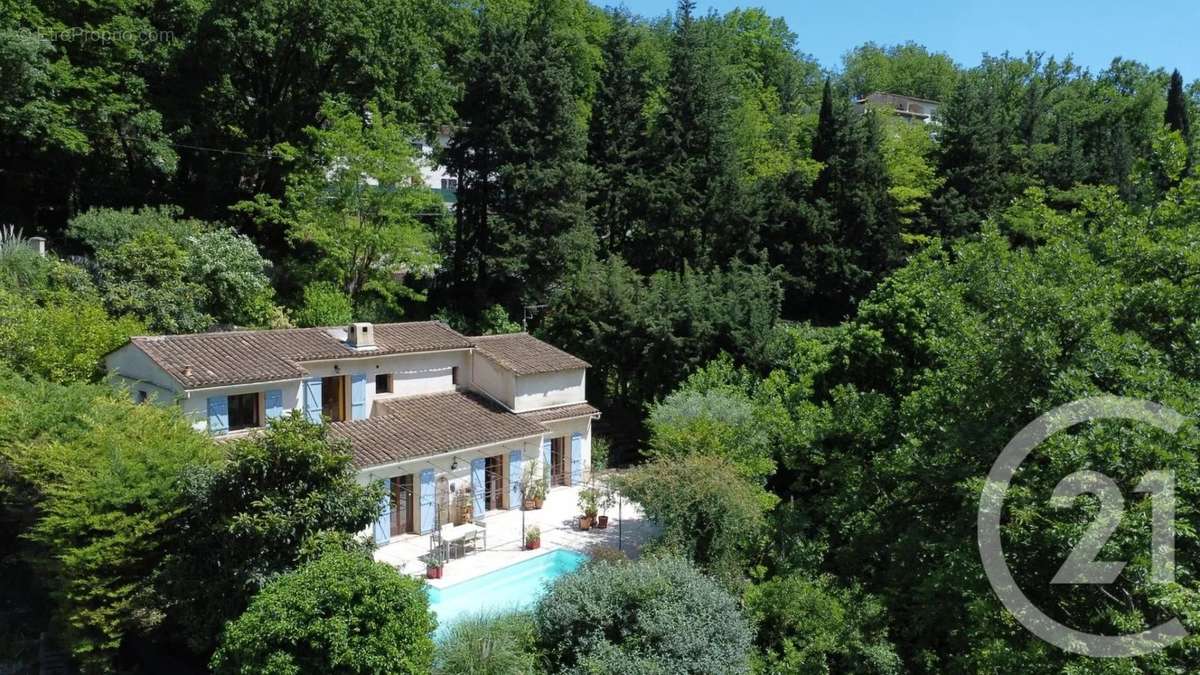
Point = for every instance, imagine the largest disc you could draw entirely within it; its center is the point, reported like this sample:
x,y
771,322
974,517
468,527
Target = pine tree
x,y
850,231
616,138
699,213
519,156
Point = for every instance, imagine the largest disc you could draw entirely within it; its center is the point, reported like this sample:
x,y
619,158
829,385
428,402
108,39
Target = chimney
x,y
361,335
38,244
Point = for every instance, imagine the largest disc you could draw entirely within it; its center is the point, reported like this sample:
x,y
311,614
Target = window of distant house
x,y
243,411
454,375
383,383
450,184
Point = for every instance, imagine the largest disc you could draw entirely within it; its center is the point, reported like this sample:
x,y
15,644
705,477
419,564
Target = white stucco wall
x,y
493,380
545,390
458,478
130,367
195,402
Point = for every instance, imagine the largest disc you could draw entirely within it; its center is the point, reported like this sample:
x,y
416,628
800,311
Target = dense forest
x,y
835,315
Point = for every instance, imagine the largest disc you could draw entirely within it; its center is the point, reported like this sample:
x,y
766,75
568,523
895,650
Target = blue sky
x,y
1160,33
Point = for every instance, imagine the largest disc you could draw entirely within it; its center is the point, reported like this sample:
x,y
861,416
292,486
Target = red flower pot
x,y
433,573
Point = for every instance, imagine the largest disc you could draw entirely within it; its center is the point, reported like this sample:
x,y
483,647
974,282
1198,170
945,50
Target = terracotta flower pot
x,y
537,502
533,544
528,504
585,522
433,572
602,523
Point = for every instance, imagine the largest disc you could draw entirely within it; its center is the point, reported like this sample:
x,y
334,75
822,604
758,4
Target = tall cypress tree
x,y
826,127
616,138
519,154
1177,117
1177,107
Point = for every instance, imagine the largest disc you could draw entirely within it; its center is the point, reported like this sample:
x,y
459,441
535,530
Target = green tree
x,y
811,626
357,205
1177,115
657,615
258,74
908,69
177,274
902,411
341,613
521,219
616,136
325,304
95,479
250,519
697,212
707,508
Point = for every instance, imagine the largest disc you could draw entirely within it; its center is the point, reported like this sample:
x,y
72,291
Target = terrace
x,y
627,529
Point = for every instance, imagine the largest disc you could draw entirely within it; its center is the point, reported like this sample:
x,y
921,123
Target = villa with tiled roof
x,y
440,418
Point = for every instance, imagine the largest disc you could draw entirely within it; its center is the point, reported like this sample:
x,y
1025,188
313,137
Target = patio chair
x,y
477,536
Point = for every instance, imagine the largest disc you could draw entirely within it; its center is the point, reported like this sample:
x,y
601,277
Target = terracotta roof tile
x,y
420,426
234,357
526,355
562,412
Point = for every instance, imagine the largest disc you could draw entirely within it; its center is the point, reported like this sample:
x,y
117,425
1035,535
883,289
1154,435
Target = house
x,y
435,175
442,420
910,108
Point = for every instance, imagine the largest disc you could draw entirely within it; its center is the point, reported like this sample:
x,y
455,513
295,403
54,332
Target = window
x,y
243,411
450,184
383,383
454,375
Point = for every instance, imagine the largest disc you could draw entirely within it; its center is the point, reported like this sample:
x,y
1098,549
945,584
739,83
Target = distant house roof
x,y
561,412
421,426
234,357
526,355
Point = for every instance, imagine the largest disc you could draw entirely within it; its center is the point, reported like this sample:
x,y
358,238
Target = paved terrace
x,y
557,519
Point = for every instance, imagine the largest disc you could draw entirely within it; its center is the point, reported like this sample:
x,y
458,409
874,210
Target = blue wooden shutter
x,y
427,501
514,479
576,458
218,414
358,396
478,483
383,524
546,461
274,404
312,400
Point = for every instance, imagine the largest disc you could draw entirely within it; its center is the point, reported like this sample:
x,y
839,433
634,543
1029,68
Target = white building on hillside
x,y
445,421
910,108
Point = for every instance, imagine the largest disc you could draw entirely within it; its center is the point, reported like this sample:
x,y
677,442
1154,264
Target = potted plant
x,y
588,504
532,490
433,568
539,493
606,501
533,538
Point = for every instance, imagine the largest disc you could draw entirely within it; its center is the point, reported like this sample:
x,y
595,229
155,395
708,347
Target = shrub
x,y
503,643
341,613
707,509
653,615
94,480
809,626
253,517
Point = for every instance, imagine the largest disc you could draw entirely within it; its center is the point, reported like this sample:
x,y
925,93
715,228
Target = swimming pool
x,y
514,587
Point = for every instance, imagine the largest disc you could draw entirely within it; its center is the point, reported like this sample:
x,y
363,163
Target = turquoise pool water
x,y
514,587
